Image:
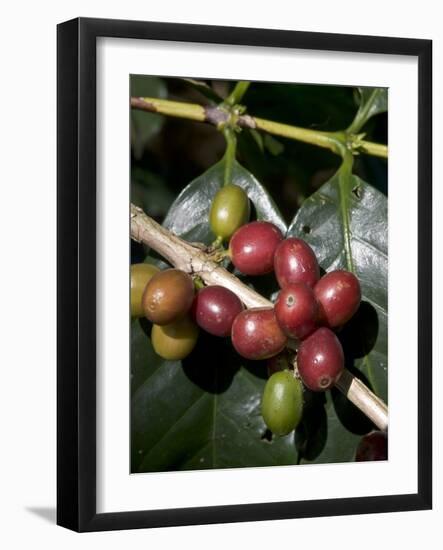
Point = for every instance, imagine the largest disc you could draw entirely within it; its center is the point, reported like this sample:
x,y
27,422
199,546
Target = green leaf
x,y
149,192
274,146
373,101
188,216
205,90
201,413
144,126
258,138
320,222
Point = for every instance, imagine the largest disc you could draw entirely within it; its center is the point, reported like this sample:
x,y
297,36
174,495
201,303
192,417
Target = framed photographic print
x,y
244,274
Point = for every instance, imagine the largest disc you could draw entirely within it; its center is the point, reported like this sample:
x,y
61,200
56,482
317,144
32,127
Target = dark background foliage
x,y
205,412
170,152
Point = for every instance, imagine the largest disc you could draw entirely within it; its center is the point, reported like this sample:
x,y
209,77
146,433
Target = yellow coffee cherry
x,y
141,274
176,340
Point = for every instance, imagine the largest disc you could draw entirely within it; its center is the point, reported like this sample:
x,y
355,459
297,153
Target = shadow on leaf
x,y
146,326
212,365
359,336
266,285
257,368
311,434
352,418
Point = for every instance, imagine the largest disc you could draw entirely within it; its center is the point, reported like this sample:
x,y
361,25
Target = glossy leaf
x,y
373,101
364,338
188,216
203,412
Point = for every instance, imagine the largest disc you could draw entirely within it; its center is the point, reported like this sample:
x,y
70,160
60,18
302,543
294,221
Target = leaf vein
x,y
176,421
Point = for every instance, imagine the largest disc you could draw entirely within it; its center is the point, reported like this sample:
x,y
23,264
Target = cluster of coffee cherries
x,y
165,298
306,312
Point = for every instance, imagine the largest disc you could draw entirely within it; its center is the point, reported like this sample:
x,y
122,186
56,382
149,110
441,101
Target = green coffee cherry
x,y
282,402
141,274
229,211
175,341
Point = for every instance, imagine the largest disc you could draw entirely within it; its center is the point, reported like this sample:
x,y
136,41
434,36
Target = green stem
x,y
362,114
327,140
198,283
231,148
217,243
218,115
238,92
375,149
345,183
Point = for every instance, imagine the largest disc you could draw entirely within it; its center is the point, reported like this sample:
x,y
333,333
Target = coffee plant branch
x,y
192,259
238,92
220,116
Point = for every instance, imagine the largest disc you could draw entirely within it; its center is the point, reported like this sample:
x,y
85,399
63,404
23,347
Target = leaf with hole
x,y
320,222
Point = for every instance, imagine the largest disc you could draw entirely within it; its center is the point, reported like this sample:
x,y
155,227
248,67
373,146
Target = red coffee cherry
x,y
373,446
252,247
256,335
320,360
339,296
296,310
215,309
295,262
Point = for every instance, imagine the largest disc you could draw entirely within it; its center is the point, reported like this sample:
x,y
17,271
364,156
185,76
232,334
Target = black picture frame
x,y
76,280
